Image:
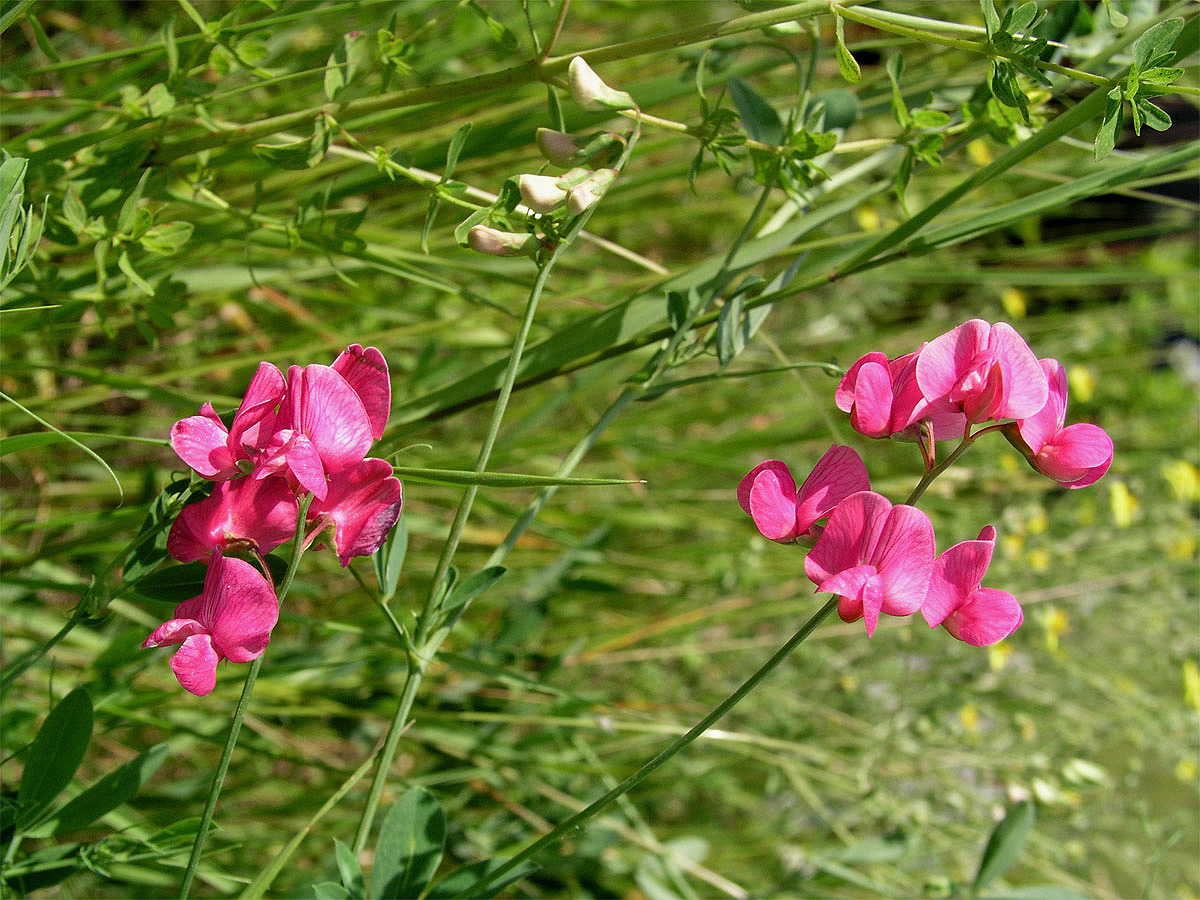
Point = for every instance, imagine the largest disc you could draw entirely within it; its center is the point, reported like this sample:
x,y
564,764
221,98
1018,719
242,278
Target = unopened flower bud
x,y
559,148
493,242
584,195
541,193
590,91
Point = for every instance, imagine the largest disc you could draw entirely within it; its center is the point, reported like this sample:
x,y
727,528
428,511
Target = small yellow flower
x,y
1182,549
979,152
1124,504
1013,302
1184,479
1013,544
1191,684
868,218
1186,770
1082,381
1039,559
1038,521
998,655
969,716
1055,623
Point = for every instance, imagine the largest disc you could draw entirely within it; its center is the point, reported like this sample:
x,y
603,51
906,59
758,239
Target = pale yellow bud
x,y
541,193
585,194
493,242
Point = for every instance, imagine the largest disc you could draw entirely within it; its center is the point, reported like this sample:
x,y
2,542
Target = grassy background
x,y
861,767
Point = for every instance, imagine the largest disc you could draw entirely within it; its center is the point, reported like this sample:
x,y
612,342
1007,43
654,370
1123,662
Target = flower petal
x,y
195,665
364,503
872,413
838,474
201,442
944,360
743,491
956,573
244,610
851,533
1025,385
1077,456
304,462
174,631
773,504
255,420
904,556
260,512
324,407
366,371
844,395
988,616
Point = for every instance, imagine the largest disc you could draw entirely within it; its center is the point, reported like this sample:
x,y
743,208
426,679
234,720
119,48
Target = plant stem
x,y
929,477
425,644
478,888
239,714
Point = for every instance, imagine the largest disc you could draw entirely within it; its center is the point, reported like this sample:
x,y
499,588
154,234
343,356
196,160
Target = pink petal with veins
x,y
174,631
366,371
1077,456
1025,386
364,503
944,360
956,573
872,415
987,616
261,513
747,482
195,665
244,609
325,408
904,556
201,442
839,473
773,504
254,422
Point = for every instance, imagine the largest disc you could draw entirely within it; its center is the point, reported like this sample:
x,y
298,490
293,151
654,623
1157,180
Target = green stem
x,y
428,637
479,888
928,478
240,713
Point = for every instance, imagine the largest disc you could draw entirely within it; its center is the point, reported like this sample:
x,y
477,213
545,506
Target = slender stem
x,y
239,714
479,888
929,477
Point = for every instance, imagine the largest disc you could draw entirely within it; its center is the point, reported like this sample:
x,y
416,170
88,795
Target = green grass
x,y
858,768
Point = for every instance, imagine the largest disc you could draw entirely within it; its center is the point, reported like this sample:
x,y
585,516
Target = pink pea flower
x,y
975,615
214,451
768,493
363,503
323,428
245,512
876,557
985,371
1074,456
884,400
231,620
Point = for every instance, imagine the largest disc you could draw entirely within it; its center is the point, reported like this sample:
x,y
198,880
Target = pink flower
x,y
363,503
985,371
231,620
323,428
973,614
768,493
205,444
243,512
884,400
1075,456
366,371
876,557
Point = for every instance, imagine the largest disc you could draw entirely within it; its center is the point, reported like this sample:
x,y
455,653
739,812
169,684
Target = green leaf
x,y
847,64
1110,127
1021,18
410,846
109,792
252,51
171,47
758,117
454,149
1039,892
1154,116
498,479
1004,845
501,33
1160,75
12,195
292,155
461,880
167,238
990,19
158,101
54,756
468,589
39,36
73,210
727,330
126,266
130,206
349,870
348,59
1116,18
903,176
895,69
809,144
389,559
329,890
174,584
1154,47
930,118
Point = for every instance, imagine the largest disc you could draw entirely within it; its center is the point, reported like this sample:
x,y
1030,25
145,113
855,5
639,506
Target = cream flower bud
x,y
590,91
493,242
585,194
541,193
559,148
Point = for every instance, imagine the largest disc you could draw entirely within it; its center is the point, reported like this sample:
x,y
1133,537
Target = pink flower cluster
x,y
879,558
976,373
306,434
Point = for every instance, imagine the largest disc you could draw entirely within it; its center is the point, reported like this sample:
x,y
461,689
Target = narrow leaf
x,y
455,148
470,588
1154,116
109,792
410,846
389,559
1005,845
1153,48
349,870
293,155
498,479
461,880
1106,137
129,207
55,755
727,331
329,890
167,238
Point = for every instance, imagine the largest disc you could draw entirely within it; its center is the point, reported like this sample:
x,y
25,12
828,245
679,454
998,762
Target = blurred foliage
x,y
181,241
